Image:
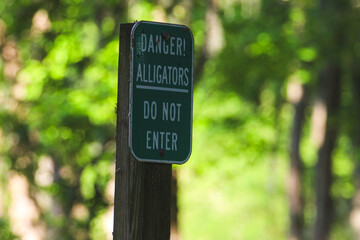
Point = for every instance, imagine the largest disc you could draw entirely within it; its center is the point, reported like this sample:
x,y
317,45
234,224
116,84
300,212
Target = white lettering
x,y
153,110
164,77
175,75
167,140
167,147
165,115
186,77
178,114
172,112
178,46
143,42
155,140
148,139
158,79
149,67
158,44
162,140
165,48
146,109
162,45
169,73
151,44
139,75
184,46
150,110
181,73
172,45
144,79
174,142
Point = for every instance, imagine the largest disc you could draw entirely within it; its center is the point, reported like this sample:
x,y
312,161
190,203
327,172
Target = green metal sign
x,y
161,92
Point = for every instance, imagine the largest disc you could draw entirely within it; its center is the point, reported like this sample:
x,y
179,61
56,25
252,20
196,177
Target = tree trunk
x,y
174,232
355,213
142,190
295,184
329,95
213,41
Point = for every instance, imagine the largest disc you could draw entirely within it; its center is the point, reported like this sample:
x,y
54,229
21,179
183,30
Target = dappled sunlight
x,y
11,56
355,213
11,69
24,214
318,120
80,212
250,8
355,219
9,51
214,32
295,92
44,175
40,22
19,91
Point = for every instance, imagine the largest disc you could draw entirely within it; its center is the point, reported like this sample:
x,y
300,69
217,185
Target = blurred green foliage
x,y
58,87
5,232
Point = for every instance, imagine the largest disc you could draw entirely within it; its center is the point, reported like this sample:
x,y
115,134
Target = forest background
x,y
276,131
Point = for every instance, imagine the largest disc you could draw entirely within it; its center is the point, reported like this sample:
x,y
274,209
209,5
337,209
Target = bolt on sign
x,y
161,92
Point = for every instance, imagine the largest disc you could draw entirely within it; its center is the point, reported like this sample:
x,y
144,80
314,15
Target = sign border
x,y
132,41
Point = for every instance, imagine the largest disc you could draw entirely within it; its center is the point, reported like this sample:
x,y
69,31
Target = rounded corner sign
x,y
161,92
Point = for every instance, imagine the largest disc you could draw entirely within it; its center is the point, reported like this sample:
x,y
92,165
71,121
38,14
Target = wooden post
x,y
142,190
